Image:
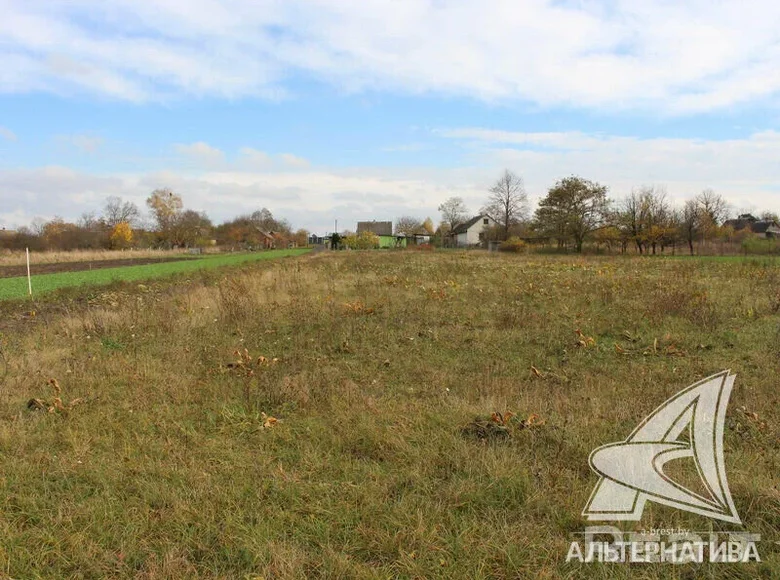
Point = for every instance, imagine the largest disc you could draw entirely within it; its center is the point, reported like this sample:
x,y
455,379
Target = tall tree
x,y
628,219
714,209
690,220
508,202
191,228
656,216
453,212
166,208
573,207
117,211
407,225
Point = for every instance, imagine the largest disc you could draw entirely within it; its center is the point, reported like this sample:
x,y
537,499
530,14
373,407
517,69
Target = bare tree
x,y
453,212
690,219
88,221
628,219
116,211
408,225
713,207
656,215
37,226
508,202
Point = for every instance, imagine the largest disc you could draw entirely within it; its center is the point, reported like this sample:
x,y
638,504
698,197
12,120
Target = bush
x,y
365,241
513,244
755,245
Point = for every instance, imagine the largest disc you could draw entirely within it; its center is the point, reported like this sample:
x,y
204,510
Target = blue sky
x,y
328,109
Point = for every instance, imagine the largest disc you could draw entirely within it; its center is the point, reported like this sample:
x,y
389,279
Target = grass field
x,y
305,418
17,287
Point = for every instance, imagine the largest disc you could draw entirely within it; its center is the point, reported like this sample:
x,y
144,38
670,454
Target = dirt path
x,y
14,271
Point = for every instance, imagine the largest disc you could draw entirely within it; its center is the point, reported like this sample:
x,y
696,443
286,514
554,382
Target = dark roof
x,y
757,227
762,226
463,228
379,228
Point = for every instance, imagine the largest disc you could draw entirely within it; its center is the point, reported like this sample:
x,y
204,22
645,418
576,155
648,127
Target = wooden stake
x,y
29,280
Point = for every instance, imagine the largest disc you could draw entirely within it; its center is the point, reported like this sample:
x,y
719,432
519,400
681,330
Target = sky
x,y
324,110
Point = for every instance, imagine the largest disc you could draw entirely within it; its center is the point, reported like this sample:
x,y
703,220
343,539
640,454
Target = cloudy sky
x,y
338,109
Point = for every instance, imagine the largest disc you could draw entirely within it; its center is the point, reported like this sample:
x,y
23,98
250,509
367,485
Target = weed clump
x,y
499,426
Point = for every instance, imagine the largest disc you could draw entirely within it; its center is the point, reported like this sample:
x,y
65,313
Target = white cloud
x,y
84,143
201,153
260,160
293,161
255,159
745,171
7,134
678,57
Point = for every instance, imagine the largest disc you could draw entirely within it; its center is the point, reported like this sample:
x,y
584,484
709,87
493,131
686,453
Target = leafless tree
x,y
508,201
453,212
116,211
713,207
690,221
408,225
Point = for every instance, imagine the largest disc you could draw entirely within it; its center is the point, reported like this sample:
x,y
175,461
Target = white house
x,y
472,233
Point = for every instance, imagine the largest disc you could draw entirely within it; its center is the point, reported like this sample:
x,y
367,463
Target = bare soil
x,y
14,271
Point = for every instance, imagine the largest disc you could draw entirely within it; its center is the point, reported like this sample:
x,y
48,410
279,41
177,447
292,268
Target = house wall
x,y
390,242
471,236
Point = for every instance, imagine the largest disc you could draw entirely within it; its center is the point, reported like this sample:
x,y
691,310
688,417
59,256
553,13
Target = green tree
x,y
573,208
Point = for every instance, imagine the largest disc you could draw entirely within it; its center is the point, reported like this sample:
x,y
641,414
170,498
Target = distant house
x,y
418,238
472,233
761,228
383,230
267,240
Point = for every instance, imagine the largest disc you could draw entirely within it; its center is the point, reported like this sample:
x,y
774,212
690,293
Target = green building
x,y
384,230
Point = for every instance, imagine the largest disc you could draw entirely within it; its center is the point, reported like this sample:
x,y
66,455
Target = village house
x,y
384,231
473,232
761,228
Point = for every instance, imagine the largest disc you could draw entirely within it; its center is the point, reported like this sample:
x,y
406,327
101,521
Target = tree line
x,y
573,211
576,210
121,225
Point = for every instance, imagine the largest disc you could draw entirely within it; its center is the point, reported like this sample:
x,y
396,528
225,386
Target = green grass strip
x,y
13,288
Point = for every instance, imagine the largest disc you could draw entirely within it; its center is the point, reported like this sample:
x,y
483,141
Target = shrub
x,y
754,245
364,241
513,244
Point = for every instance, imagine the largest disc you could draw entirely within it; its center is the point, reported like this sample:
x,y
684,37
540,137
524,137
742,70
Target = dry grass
x,y
373,363
11,258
